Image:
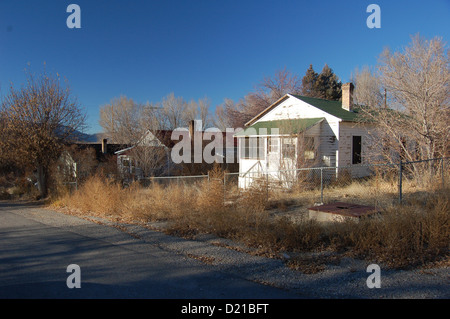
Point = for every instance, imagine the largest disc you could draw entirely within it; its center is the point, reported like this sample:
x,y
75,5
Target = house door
x,y
273,154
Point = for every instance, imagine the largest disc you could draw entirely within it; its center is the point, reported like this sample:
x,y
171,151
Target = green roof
x,y
331,107
279,127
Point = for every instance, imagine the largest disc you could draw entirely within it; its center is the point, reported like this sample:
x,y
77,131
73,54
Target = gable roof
x,y
291,126
331,107
161,136
111,149
165,139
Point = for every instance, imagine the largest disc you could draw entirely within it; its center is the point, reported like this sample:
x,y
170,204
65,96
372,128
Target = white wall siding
x,y
346,132
326,133
328,143
293,108
250,168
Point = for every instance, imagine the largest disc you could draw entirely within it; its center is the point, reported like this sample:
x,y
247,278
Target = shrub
x,y
408,235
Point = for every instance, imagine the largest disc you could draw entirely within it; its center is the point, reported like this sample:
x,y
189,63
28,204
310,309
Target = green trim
x,y
279,127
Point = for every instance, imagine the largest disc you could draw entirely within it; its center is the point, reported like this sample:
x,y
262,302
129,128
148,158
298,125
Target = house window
x,y
309,149
356,150
288,148
273,144
252,148
127,164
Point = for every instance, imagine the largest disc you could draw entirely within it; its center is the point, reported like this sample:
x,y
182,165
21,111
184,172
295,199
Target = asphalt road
x,y
37,246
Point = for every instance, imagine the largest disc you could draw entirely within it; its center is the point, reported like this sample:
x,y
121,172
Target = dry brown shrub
x,y
412,234
404,236
97,196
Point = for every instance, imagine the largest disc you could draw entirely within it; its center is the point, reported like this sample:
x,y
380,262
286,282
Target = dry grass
x,y
409,235
413,234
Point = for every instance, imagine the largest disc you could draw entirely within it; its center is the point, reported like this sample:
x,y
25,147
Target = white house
x,y
152,151
298,131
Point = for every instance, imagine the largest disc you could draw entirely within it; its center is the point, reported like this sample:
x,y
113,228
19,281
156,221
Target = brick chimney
x,y
347,96
104,145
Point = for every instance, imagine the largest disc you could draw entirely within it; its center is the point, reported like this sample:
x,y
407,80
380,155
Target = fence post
x,y
321,185
400,173
224,188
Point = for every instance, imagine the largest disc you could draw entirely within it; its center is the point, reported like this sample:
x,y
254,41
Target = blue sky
x,y
196,48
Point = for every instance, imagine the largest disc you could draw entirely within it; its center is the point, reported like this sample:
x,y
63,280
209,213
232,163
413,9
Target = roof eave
x,y
267,109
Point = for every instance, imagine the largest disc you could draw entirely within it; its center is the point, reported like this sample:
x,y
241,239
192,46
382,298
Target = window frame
x,y
309,147
356,156
246,147
288,141
273,148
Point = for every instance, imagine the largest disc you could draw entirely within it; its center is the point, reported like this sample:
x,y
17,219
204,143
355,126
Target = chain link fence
x,y
167,181
378,185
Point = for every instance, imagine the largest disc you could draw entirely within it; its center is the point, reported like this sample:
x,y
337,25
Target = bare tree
x,y
151,160
415,124
175,112
268,91
368,89
38,119
221,120
418,79
125,121
129,122
85,159
172,112
232,114
283,81
199,110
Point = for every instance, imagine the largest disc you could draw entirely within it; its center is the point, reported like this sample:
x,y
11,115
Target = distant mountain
x,y
81,137
89,138
78,136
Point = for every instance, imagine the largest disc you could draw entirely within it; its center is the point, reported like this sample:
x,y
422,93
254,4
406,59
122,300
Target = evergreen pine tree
x,y
328,85
325,85
309,82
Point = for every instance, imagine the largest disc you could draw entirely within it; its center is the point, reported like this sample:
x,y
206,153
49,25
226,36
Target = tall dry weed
x,y
408,235
412,234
